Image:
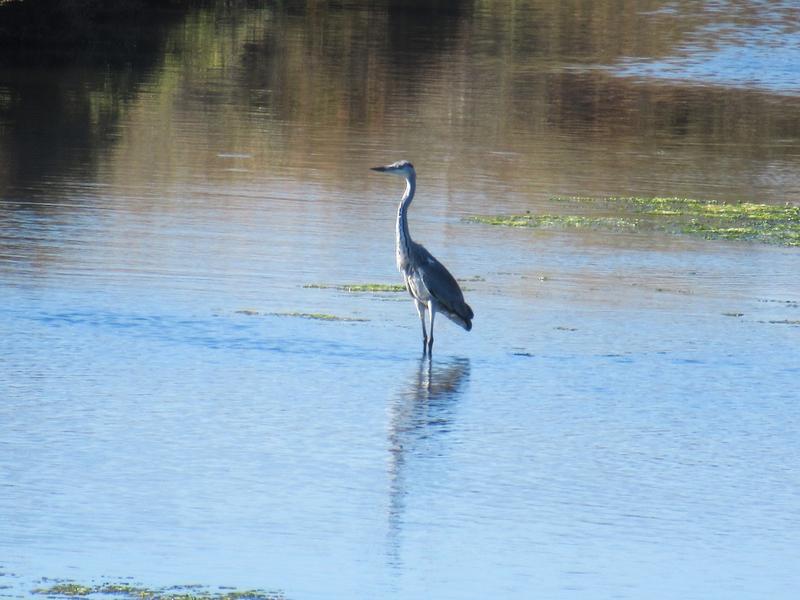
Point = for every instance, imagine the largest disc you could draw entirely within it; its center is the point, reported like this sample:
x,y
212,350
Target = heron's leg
x,y
421,313
432,312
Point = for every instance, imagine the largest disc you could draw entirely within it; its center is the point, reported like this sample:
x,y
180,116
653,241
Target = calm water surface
x,y
621,422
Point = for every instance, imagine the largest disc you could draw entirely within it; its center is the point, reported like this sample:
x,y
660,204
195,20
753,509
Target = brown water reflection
x,y
491,93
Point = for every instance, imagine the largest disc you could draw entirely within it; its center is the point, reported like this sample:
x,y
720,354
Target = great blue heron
x,y
430,284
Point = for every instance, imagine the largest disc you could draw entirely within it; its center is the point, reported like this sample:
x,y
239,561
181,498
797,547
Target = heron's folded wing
x,y
443,287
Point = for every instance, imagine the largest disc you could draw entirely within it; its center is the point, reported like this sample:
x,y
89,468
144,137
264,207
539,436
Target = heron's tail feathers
x,y
462,316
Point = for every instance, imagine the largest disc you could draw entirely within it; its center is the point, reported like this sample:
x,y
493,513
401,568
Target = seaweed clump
x,y
317,316
134,592
556,221
359,287
709,219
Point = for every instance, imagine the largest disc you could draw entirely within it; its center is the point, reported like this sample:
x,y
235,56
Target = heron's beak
x,y
381,169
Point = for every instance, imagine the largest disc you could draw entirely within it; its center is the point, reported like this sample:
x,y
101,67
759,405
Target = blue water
x,y
753,45
587,449
620,423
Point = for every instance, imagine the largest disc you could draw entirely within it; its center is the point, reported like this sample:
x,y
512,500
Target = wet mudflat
x,y
208,379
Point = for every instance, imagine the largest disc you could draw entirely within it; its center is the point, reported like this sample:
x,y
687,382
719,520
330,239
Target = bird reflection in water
x,y
421,416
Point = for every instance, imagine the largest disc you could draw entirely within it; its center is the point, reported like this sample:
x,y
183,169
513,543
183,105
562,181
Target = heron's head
x,y
401,167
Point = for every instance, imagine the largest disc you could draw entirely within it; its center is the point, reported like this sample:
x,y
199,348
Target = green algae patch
x,y
302,315
777,224
69,590
556,221
132,592
317,316
374,288
709,219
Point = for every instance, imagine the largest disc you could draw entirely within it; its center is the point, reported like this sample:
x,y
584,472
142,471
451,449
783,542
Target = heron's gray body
x,y
427,280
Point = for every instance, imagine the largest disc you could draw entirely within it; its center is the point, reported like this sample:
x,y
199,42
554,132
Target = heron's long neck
x,y
403,237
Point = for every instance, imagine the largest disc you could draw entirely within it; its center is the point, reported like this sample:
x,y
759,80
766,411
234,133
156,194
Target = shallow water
x,y
621,421
743,44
